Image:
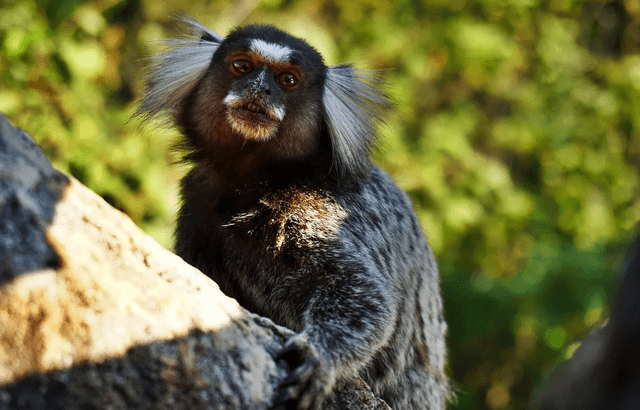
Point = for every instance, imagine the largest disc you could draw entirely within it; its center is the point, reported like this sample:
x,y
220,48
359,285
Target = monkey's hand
x,y
310,379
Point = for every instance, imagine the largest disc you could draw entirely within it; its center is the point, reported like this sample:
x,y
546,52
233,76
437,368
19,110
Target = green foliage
x,y
517,135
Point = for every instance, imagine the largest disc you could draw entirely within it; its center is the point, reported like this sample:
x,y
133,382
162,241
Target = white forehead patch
x,y
271,52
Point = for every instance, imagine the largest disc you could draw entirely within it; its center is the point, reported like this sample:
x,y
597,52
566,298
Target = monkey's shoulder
x,y
378,204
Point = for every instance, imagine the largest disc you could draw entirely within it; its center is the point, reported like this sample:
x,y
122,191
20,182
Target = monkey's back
x,y
274,248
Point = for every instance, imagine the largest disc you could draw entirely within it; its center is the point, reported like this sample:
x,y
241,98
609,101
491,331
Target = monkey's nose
x,y
258,87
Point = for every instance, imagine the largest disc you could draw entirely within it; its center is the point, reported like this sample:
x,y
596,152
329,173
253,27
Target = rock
x,y
29,190
604,372
94,314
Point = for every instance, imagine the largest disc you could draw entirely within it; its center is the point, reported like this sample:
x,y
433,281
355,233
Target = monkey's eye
x,y
242,66
287,80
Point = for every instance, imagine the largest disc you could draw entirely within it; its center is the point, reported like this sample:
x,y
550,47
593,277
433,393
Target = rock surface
x,y
94,314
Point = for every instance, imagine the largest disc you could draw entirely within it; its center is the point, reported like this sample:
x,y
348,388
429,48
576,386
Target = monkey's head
x,y
264,86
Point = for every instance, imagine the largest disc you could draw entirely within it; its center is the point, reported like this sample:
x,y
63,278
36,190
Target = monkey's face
x,y
256,102
268,86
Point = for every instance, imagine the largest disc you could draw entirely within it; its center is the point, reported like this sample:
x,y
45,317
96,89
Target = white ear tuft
x,y
352,106
174,74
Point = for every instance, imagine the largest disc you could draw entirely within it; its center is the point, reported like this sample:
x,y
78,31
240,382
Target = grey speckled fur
x,y
335,253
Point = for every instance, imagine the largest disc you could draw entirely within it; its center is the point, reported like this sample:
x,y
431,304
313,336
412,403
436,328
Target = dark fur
x,y
327,247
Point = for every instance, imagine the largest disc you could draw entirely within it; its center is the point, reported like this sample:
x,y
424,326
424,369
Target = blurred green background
x,y
517,134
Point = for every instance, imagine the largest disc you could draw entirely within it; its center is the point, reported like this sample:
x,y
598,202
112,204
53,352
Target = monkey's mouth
x,y
255,108
253,120
254,112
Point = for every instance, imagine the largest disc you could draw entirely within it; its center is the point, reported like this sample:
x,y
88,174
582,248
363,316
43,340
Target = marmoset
x,y
284,209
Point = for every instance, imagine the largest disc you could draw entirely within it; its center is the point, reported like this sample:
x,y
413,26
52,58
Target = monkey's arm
x,y
347,321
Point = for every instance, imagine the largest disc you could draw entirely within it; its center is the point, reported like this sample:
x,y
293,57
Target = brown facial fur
x,y
275,67
249,115
251,124
211,133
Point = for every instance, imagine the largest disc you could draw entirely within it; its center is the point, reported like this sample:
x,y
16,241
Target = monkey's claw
x,y
309,380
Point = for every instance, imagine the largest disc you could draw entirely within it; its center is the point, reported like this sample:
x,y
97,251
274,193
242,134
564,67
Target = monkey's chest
x,y
287,219
272,255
